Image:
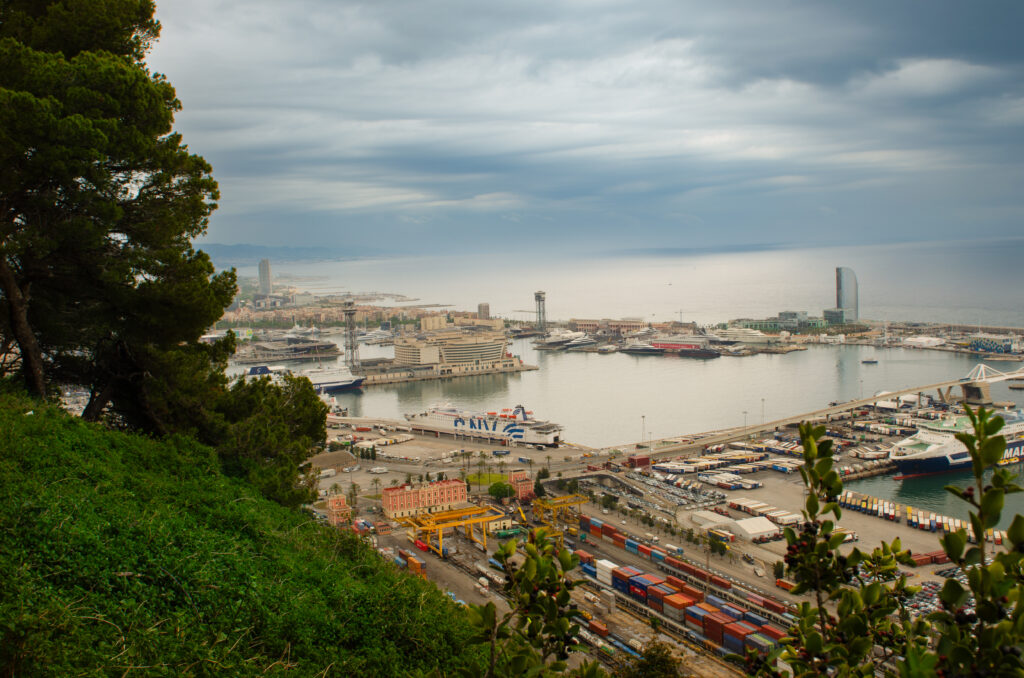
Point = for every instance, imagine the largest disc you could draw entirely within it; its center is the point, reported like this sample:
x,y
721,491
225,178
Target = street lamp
x,y
643,427
744,419
762,412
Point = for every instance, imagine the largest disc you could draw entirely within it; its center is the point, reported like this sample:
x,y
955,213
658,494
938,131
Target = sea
x,y
618,399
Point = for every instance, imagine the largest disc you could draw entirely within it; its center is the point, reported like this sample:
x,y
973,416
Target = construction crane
x,y
548,512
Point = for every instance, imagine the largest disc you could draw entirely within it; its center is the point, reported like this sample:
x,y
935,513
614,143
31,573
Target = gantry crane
x,y
549,511
431,526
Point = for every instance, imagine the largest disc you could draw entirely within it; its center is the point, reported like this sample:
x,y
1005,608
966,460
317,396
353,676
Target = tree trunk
x,y
97,401
28,346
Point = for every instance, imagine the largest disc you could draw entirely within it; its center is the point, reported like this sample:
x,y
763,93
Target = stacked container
x,y
632,546
621,577
762,644
674,606
714,626
693,617
604,569
584,556
656,595
734,634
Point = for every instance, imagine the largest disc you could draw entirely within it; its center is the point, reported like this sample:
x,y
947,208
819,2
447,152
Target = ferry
x,y
332,379
934,448
510,425
324,379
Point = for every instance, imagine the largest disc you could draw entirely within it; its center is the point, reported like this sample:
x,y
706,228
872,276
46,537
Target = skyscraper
x,y
265,287
483,311
846,293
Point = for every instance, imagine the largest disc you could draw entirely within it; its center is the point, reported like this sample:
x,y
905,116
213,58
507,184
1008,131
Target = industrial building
x,y
450,347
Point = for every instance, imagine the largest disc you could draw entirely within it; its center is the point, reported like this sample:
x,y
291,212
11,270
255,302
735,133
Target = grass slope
x,y
122,554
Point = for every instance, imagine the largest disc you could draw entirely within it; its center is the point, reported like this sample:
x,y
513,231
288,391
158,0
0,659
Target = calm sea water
x,y
616,399
940,282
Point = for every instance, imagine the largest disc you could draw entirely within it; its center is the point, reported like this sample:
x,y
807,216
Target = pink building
x,y
406,500
338,510
520,481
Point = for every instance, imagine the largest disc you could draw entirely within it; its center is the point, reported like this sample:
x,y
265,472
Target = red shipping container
x,y
598,628
773,632
607,529
675,582
678,601
638,592
721,583
595,530
644,550
708,607
654,604
696,594
774,606
701,574
674,562
420,545
584,556
714,624
619,540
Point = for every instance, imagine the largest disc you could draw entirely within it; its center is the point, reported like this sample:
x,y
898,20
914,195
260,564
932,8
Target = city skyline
x,y
409,127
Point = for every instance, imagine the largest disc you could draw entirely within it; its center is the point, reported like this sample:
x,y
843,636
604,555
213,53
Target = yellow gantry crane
x,y
430,527
548,512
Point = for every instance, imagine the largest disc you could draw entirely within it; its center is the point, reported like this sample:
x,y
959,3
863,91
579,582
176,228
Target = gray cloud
x,y
438,124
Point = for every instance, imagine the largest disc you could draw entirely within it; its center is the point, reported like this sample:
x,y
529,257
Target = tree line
x,y
100,285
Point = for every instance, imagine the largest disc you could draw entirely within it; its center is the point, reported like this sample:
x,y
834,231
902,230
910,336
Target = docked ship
x,y
742,335
324,379
581,342
557,338
332,379
687,346
641,348
511,425
934,448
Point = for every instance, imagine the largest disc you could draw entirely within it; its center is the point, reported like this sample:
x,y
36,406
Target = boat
x,y
580,342
934,448
324,379
869,361
332,379
510,425
686,345
641,348
742,335
557,338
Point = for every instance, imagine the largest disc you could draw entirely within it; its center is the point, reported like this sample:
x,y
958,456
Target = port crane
x,y
431,526
548,512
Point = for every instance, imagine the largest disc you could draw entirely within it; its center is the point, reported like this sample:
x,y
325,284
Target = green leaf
x,y
1016,530
953,594
812,505
992,506
992,450
953,544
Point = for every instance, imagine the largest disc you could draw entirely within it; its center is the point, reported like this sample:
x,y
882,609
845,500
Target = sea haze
x,y
961,282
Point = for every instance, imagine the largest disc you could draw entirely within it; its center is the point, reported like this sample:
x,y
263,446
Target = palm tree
x,y
501,467
479,473
376,485
529,460
549,461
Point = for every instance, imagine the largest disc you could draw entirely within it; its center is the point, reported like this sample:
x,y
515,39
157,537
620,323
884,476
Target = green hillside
x,y
124,555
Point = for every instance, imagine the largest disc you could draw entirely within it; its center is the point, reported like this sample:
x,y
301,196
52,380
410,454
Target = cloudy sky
x,y
411,125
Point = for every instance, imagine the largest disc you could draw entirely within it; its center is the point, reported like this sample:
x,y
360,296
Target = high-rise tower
x,y
265,287
846,293
542,319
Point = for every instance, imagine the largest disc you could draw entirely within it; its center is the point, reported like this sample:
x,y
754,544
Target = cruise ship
x,y
324,379
513,425
742,335
934,448
332,379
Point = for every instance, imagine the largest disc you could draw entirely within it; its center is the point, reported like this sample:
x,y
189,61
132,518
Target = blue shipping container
x,y
632,548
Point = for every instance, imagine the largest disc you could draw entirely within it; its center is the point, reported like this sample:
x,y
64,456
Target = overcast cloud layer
x,y
450,126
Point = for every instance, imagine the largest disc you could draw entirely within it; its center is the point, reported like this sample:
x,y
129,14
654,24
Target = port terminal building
x,y
407,500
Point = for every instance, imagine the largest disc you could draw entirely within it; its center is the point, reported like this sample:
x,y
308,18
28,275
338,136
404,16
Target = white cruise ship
x,y
935,449
743,335
514,425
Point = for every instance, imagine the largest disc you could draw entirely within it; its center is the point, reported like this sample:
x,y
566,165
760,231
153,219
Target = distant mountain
x,y
226,256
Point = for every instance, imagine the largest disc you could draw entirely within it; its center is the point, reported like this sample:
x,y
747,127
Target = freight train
x,y
718,615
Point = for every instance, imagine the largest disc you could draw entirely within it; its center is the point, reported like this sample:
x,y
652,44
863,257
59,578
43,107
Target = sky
x,y
578,126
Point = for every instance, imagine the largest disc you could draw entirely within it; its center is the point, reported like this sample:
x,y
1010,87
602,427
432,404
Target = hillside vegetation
x,y
121,553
